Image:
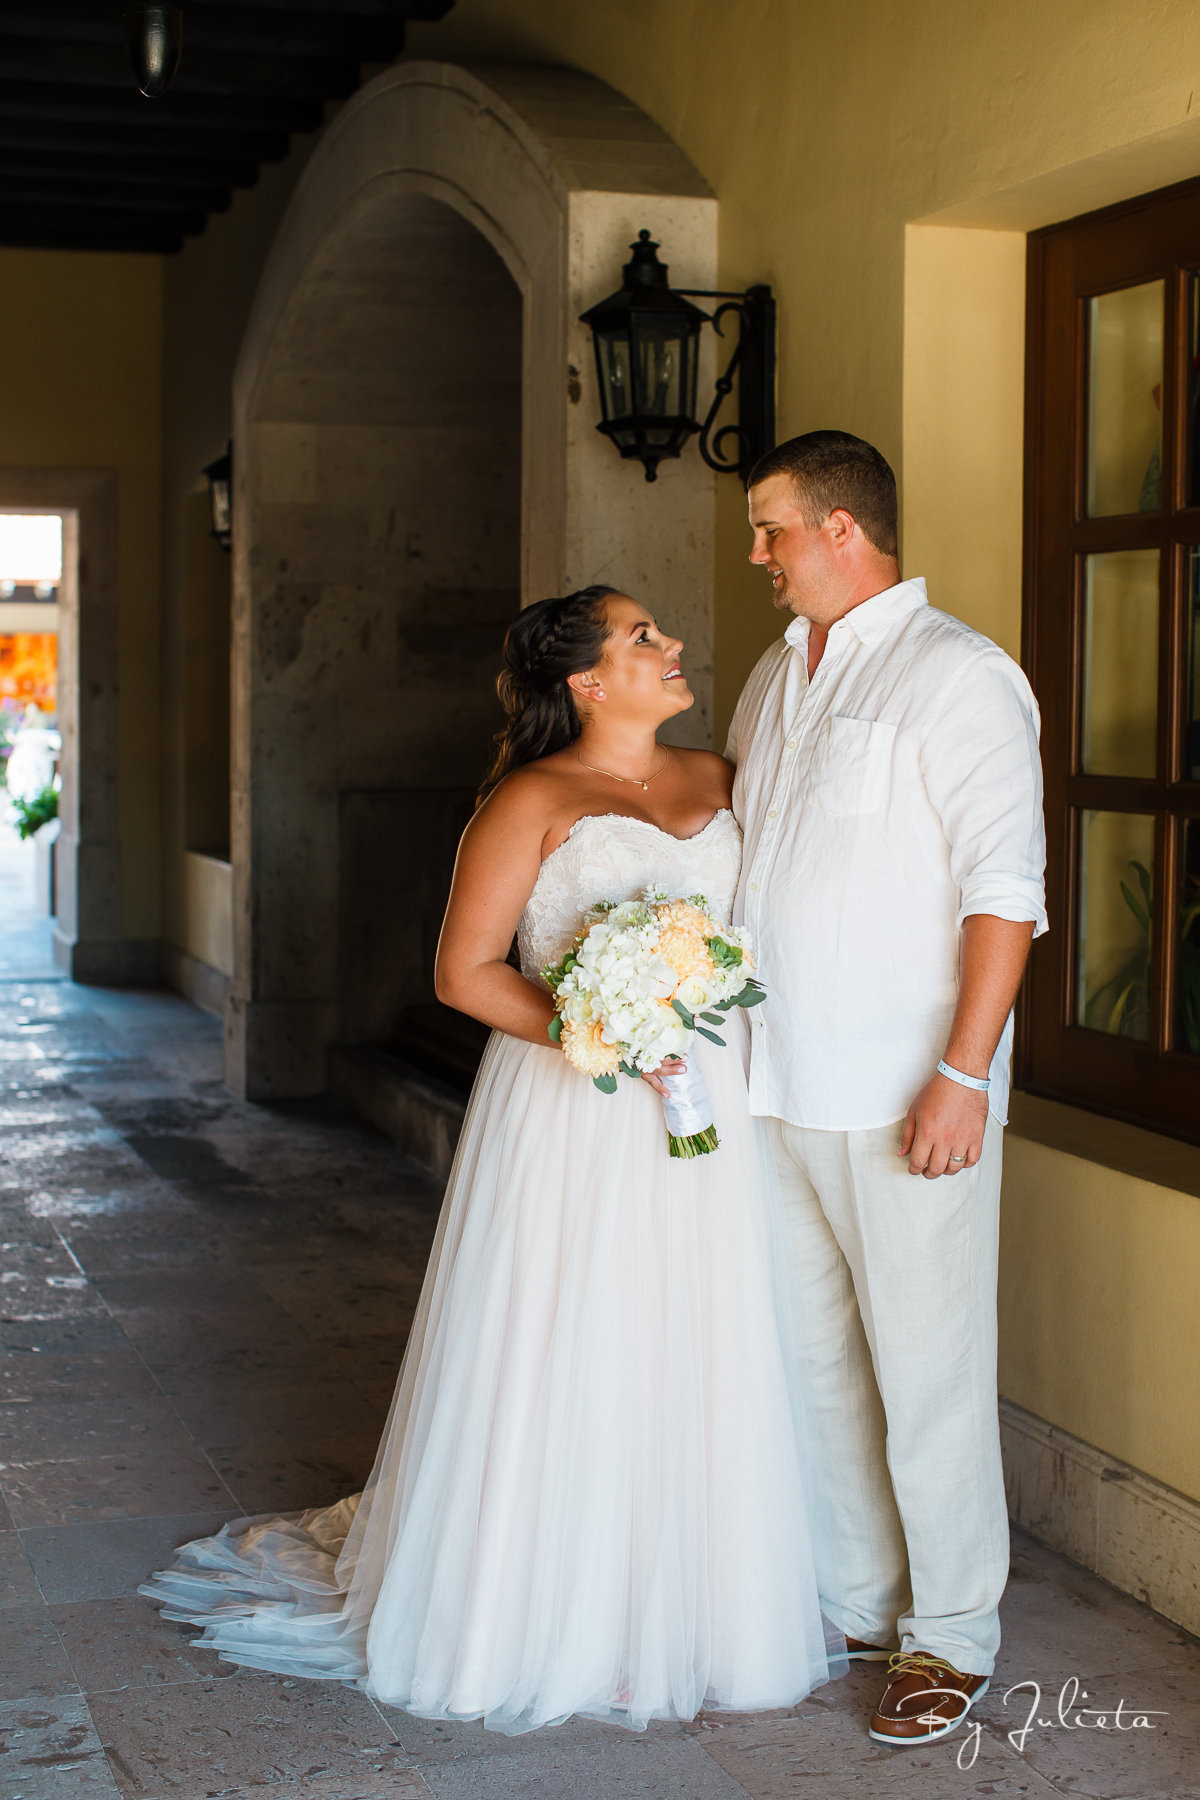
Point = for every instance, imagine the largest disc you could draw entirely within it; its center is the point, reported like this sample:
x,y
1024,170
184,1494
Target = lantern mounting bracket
x,y
753,359
646,340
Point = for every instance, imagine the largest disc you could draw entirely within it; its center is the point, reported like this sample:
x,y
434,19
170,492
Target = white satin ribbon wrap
x,y
687,1106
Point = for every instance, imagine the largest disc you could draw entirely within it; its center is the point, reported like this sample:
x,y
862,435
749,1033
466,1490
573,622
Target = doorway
x,y
89,943
31,568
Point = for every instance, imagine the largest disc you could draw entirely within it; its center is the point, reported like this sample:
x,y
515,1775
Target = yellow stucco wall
x,y
826,132
208,289
879,166
82,387
1098,1317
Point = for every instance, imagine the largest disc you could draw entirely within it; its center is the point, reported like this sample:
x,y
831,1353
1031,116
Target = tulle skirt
x,y
597,1490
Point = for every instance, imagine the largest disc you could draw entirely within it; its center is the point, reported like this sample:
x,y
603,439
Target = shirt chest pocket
x,y
850,764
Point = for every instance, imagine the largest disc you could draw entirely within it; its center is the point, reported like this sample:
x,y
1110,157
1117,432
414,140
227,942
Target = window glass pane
x,y
1117,856
1191,652
1193,392
1187,983
1120,663
1125,346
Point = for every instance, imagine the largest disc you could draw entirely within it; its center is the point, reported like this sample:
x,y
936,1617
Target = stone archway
x,y
415,457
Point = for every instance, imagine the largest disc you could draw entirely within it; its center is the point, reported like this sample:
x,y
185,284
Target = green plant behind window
x,y
1189,968
1122,1005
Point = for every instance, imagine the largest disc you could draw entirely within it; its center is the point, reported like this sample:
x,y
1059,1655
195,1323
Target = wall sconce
x,y
646,338
220,495
154,40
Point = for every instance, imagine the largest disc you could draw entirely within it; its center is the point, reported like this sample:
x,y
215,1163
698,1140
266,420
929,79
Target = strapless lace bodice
x,y
613,857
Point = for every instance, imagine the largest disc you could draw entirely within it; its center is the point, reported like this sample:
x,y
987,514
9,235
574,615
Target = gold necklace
x,y
634,780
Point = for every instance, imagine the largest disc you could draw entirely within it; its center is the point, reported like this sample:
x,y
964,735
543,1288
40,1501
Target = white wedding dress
x,y
594,1493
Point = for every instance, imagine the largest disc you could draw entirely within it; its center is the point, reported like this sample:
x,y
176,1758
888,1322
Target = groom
x,y
889,788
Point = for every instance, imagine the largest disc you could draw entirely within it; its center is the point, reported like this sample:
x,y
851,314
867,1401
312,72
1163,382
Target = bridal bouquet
x,y
631,990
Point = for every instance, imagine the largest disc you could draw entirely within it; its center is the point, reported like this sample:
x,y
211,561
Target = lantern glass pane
x,y
616,386
660,357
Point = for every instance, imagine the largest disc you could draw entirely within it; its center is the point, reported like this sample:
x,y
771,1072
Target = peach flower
x,y
585,1049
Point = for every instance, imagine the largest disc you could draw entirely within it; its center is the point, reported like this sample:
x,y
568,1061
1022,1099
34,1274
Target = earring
x,y
599,693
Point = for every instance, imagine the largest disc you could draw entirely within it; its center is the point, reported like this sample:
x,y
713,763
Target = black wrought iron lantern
x,y
647,342
220,496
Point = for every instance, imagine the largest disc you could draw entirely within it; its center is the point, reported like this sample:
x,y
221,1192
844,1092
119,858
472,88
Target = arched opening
x,y
387,429
413,458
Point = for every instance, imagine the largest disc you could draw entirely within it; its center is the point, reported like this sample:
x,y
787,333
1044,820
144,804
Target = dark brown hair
x,y
546,642
831,470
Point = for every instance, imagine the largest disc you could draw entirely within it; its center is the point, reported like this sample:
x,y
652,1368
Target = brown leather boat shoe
x,y
858,1651
926,1699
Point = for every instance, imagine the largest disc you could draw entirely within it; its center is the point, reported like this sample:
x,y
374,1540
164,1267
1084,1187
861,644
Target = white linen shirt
x,y
881,804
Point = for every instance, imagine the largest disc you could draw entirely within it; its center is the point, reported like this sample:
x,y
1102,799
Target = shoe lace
x,y
920,1662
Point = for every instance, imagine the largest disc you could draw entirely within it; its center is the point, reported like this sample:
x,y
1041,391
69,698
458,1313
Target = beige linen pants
x,y
897,1287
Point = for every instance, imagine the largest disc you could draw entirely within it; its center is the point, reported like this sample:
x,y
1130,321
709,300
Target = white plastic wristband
x,y
967,1081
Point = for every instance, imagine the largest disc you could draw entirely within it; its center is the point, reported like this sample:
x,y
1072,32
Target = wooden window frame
x,y
1156,237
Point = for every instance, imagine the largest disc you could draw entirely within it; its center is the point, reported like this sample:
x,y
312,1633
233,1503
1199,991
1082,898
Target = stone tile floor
x,y
203,1307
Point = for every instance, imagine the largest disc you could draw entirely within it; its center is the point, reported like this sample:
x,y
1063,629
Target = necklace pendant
x,y
645,787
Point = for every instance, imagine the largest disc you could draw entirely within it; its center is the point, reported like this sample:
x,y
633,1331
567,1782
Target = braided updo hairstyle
x,y
544,644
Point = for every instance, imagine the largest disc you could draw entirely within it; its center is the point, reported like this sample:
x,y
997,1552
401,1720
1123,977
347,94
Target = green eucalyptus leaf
x,y
711,1036
606,1083
751,995
554,1029
684,1014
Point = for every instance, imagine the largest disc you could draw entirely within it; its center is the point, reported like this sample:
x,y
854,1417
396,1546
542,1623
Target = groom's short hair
x,y
830,470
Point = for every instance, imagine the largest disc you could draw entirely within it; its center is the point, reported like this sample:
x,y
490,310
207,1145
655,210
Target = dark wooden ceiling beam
x,y
128,196
53,155
230,73
146,141
72,169
362,9
212,113
220,28
86,162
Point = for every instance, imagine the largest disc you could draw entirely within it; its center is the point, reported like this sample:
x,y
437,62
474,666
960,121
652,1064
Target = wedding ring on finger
x,y
958,1159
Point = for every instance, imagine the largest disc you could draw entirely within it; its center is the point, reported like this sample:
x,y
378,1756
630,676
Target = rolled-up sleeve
x,y
982,771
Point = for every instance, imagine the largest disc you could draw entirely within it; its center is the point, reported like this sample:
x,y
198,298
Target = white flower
x,y
696,993
661,976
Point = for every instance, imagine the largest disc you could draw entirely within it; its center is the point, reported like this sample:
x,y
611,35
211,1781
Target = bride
x,y
593,1495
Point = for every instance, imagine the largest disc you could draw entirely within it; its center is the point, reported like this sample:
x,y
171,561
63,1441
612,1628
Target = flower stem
x,y
702,1144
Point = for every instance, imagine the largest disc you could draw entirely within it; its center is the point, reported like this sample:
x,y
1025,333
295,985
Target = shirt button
x,y
791,743
754,887
772,814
